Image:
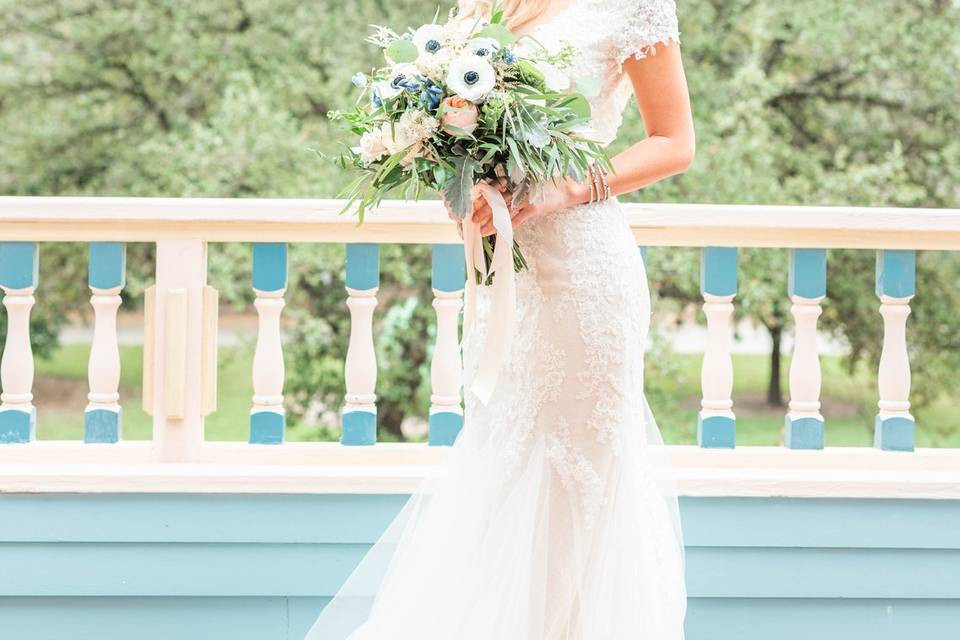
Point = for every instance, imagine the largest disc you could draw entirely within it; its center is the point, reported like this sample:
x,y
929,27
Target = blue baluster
x,y
267,416
448,278
359,426
19,275
895,428
716,423
106,278
807,286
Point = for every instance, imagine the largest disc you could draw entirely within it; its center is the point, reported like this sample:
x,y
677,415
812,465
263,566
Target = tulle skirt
x,y
554,516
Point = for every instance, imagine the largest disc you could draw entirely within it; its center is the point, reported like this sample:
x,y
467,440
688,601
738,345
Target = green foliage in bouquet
x,y
464,102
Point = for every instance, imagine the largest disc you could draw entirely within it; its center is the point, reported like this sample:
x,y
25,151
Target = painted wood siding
x,y
260,566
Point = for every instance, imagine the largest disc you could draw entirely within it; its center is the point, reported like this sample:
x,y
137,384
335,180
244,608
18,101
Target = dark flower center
x,y
432,46
482,52
471,77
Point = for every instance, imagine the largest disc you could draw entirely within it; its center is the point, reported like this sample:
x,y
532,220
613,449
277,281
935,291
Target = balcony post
x,y
19,275
716,422
446,370
177,348
894,427
106,277
267,417
807,286
359,422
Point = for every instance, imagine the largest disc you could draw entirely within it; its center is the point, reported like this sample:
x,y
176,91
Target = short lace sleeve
x,y
643,24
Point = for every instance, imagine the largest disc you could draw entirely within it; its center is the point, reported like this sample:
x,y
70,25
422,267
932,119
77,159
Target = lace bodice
x,y
605,34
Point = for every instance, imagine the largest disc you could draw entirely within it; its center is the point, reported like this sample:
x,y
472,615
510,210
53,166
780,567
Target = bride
x,y
553,516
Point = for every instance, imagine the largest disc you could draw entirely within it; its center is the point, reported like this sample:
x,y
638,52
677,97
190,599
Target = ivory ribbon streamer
x,y
503,292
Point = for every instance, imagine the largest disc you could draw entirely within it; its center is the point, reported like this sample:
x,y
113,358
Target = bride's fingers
x,y
482,213
522,214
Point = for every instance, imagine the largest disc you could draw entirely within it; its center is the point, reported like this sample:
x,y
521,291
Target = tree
x,y
807,102
822,102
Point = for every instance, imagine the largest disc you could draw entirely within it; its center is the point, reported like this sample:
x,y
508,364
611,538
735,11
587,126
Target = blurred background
x,y
822,102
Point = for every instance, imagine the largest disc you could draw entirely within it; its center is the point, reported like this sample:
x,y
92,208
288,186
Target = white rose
x,y
410,130
471,77
371,146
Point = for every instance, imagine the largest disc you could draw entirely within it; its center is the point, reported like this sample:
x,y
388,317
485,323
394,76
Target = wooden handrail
x,y
310,220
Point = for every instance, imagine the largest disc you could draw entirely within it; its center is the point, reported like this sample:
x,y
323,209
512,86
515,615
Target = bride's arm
x,y
661,89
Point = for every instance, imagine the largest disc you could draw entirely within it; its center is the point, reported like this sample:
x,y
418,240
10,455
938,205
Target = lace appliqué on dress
x,y
645,24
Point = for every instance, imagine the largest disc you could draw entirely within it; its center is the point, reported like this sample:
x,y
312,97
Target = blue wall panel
x,y
261,566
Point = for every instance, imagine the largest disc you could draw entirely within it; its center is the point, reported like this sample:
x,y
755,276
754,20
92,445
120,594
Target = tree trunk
x,y
774,392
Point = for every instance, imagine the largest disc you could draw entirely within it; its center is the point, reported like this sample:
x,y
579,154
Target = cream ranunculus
x,y
408,133
471,77
371,146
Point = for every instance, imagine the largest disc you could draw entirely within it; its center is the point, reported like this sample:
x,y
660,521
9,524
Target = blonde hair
x,y
518,12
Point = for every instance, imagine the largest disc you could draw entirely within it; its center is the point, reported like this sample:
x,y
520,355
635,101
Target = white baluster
x,y
267,418
446,370
18,279
716,377
895,426
360,369
103,372
102,418
448,275
268,370
716,425
803,425
894,375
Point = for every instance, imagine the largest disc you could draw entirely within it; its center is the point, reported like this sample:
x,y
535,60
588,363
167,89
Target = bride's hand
x,y
482,213
555,196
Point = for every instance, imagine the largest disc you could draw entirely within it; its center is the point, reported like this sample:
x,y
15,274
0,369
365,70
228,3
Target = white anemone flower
x,y
471,77
553,77
429,38
393,85
483,47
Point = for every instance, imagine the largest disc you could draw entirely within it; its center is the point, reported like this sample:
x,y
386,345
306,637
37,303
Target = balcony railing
x,y
180,351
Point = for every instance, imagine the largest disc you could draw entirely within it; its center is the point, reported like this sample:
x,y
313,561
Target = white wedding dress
x,y
554,517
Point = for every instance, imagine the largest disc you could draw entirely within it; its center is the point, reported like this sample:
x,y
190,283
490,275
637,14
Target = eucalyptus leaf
x,y
577,104
458,190
401,51
499,33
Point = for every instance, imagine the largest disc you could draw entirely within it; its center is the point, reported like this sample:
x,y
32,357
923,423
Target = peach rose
x,y
459,113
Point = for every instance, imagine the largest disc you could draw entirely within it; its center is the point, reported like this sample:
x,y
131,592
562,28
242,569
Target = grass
x,y
849,402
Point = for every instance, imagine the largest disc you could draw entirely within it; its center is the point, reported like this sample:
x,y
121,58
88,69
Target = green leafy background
x,y
821,102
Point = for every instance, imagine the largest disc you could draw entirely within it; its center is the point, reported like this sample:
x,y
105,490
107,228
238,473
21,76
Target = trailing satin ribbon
x,y
503,291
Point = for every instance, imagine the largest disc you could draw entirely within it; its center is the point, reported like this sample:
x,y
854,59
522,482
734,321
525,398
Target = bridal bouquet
x,y
457,106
